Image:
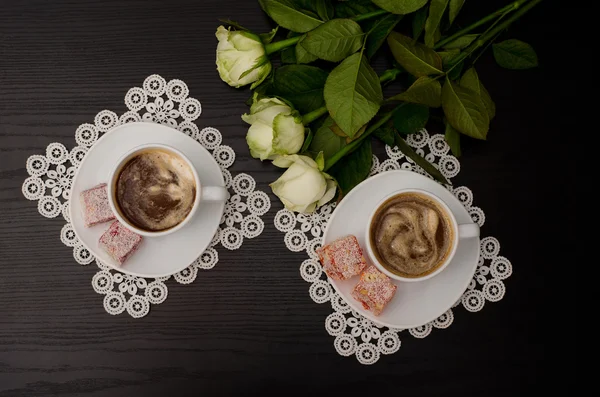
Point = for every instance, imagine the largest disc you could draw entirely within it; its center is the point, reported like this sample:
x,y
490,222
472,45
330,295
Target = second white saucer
x,y
415,303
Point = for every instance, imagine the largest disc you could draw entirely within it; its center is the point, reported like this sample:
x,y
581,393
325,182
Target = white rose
x,y
303,186
275,129
241,58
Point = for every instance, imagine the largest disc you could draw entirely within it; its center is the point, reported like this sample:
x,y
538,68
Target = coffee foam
x,y
156,190
410,235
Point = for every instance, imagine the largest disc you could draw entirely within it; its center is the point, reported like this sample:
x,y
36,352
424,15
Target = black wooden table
x,y
248,326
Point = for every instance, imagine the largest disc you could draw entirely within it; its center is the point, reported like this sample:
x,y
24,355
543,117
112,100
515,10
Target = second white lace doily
x,y
355,334
158,101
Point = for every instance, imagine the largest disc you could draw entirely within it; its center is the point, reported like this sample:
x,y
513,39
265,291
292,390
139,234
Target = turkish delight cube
x,y
119,242
342,258
94,203
374,290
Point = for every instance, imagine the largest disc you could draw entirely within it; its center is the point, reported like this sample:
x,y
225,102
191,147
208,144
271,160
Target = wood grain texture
x,y
247,327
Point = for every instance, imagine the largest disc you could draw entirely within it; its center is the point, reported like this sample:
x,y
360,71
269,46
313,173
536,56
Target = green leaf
x,y
432,25
308,12
465,110
349,9
266,38
424,91
302,85
326,140
353,93
471,80
452,138
515,54
454,9
357,135
400,6
448,56
420,161
418,22
334,40
339,132
302,54
455,72
461,42
449,59
232,23
410,118
385,134
489,104
437,35
379,31
286,14
414,57
288,55
324,9
353,168
307,141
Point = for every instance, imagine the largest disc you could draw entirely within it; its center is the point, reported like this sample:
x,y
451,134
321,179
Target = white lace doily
x,y
158,101
361,337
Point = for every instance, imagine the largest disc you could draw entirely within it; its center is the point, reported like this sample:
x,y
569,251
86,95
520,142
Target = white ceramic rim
x,y
449,257
114,174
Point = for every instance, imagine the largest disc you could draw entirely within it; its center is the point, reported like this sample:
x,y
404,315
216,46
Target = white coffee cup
x,y
203,193
459,232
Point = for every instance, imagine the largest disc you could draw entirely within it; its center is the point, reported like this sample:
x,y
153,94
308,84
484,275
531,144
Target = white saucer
x,y
156,256
415,303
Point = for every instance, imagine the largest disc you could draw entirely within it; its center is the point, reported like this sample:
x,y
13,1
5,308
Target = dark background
x,y
248,326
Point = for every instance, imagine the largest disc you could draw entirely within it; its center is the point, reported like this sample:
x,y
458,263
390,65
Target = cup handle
x,y
468,230
214,193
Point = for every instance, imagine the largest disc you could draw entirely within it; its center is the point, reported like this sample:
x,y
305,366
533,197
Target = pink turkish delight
x,y
342,258
119,242
374,290
94,203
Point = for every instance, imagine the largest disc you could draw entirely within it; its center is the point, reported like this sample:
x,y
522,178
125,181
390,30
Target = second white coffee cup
x,y
459,232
